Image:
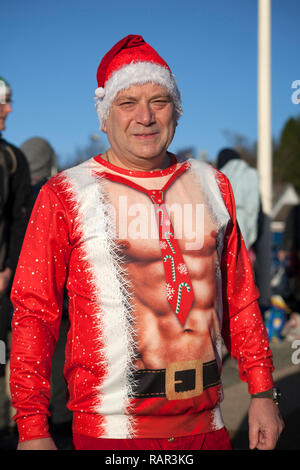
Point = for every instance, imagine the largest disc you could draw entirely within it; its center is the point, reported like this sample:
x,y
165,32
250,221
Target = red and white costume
x,y
71,242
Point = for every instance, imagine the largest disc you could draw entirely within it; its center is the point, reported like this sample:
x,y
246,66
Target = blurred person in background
x,y
251,219
15,203
245,184
41,159
289,256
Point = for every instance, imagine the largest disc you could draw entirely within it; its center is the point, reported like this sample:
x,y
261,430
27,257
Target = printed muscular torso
x,y
161,338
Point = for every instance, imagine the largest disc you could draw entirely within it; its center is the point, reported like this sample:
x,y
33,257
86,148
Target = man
x,y
14,207
151,255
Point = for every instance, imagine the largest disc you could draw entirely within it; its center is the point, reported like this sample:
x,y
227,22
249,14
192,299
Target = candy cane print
x,y
173,266
181,285
161,215
169,243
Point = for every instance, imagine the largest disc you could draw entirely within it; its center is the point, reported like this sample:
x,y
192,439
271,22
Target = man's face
x,y
141,123
5,109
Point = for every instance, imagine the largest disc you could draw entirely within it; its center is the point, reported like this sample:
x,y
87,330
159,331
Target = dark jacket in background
x,y
15,203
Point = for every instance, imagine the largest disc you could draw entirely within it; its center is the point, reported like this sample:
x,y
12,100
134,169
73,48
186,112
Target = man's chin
x,y
149,152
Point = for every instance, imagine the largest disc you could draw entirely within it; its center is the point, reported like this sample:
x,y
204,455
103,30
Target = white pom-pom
x,y
100,92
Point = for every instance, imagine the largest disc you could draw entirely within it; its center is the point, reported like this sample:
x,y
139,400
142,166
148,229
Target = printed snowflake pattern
x,y
170,292
163,245
182,268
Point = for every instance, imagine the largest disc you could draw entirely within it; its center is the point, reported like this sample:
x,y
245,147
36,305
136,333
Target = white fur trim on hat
x,y
135,74
99,92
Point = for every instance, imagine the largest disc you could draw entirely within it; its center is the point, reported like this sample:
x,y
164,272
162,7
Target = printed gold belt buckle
x,y
184,380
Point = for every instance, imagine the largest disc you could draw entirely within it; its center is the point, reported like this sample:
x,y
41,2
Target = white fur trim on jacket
x,y
111,299
135,74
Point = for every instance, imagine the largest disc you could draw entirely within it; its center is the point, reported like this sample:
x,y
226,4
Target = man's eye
x,y
126,103
161,102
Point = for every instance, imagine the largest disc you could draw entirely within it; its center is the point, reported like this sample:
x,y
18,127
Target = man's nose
x,y
144,114
7,108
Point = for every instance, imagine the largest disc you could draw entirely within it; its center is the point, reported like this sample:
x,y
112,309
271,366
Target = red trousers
x,y
217,440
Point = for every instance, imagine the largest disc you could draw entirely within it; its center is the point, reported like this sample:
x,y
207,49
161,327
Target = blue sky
x,y
51,50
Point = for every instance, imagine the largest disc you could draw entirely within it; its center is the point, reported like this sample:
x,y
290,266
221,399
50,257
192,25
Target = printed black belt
x,y
180,380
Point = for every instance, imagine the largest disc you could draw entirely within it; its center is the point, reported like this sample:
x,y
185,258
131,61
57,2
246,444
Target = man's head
x,y
132,62
138,102
5,102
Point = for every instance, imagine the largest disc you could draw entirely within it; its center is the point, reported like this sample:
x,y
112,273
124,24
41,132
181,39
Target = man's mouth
x,y
146,136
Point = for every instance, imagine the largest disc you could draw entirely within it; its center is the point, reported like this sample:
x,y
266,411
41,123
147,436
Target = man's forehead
x,y
141,89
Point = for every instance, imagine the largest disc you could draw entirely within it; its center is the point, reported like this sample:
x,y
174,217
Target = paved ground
x,y
236,402
236,399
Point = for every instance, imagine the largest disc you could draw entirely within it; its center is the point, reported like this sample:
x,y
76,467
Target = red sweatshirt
x,y
136,364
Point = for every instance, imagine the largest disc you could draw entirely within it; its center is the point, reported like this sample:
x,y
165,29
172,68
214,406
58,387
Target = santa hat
x,y
131,62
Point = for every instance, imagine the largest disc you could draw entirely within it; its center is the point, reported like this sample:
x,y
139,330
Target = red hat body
x,y
130,49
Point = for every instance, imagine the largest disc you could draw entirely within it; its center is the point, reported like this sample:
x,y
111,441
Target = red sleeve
x,y
243,330
37,295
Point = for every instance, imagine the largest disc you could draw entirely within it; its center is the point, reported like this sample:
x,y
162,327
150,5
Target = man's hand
x,y
5,278
265,424
38,444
